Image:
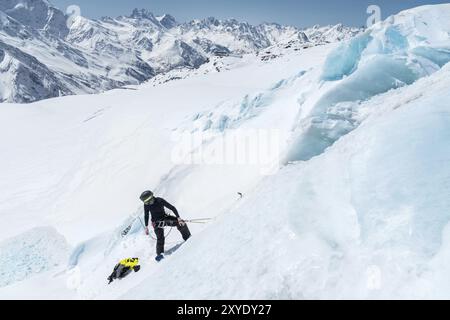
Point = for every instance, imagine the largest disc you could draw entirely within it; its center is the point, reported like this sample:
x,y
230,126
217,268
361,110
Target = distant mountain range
x,y
41,57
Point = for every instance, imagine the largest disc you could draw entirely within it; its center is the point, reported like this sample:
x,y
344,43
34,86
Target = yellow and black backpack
x,y
124,268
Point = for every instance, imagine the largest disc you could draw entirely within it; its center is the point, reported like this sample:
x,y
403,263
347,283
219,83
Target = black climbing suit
x,y
160,220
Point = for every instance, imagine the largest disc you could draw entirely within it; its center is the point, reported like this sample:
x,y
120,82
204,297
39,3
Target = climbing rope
x,y
200,220
150,234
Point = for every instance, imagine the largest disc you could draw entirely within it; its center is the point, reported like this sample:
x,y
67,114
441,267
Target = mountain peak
x,y
142,14
212,21
167,21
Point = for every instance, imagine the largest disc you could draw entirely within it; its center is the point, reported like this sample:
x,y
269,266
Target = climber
x,y
160,219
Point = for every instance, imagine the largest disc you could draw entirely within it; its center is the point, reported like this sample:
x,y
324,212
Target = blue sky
x,y
300,13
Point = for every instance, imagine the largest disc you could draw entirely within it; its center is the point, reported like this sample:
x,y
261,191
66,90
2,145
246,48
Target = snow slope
x,y
355,204
114,145
376,203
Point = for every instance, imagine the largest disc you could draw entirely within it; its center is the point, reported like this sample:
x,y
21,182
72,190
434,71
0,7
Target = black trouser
x,y
168,221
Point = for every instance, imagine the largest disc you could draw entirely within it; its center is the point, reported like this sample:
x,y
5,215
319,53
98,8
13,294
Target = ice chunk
x,y
35,251
322,128
375,75
439,56
395,53
344,60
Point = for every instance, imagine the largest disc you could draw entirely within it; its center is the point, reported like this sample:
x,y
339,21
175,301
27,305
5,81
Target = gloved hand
x,y
146,231
181,222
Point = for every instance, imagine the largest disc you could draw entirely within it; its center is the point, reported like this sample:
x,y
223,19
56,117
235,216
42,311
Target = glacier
x,y
357,207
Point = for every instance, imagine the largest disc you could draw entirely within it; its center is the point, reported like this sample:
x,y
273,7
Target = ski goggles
x,y
149,200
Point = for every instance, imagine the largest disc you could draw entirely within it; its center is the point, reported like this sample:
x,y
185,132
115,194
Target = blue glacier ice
x,y
388,56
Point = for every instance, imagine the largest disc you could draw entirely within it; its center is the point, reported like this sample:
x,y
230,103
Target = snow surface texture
x,y
90,56
358,206
32,252
319,236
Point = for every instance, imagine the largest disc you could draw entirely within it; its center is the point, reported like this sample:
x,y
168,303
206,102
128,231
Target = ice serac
x,y
391,54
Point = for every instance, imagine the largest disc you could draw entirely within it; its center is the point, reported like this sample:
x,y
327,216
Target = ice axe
x,y
200,220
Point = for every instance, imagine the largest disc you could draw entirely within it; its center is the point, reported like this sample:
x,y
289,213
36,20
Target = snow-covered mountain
x,y
41,57
38,15
38,63
351,201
